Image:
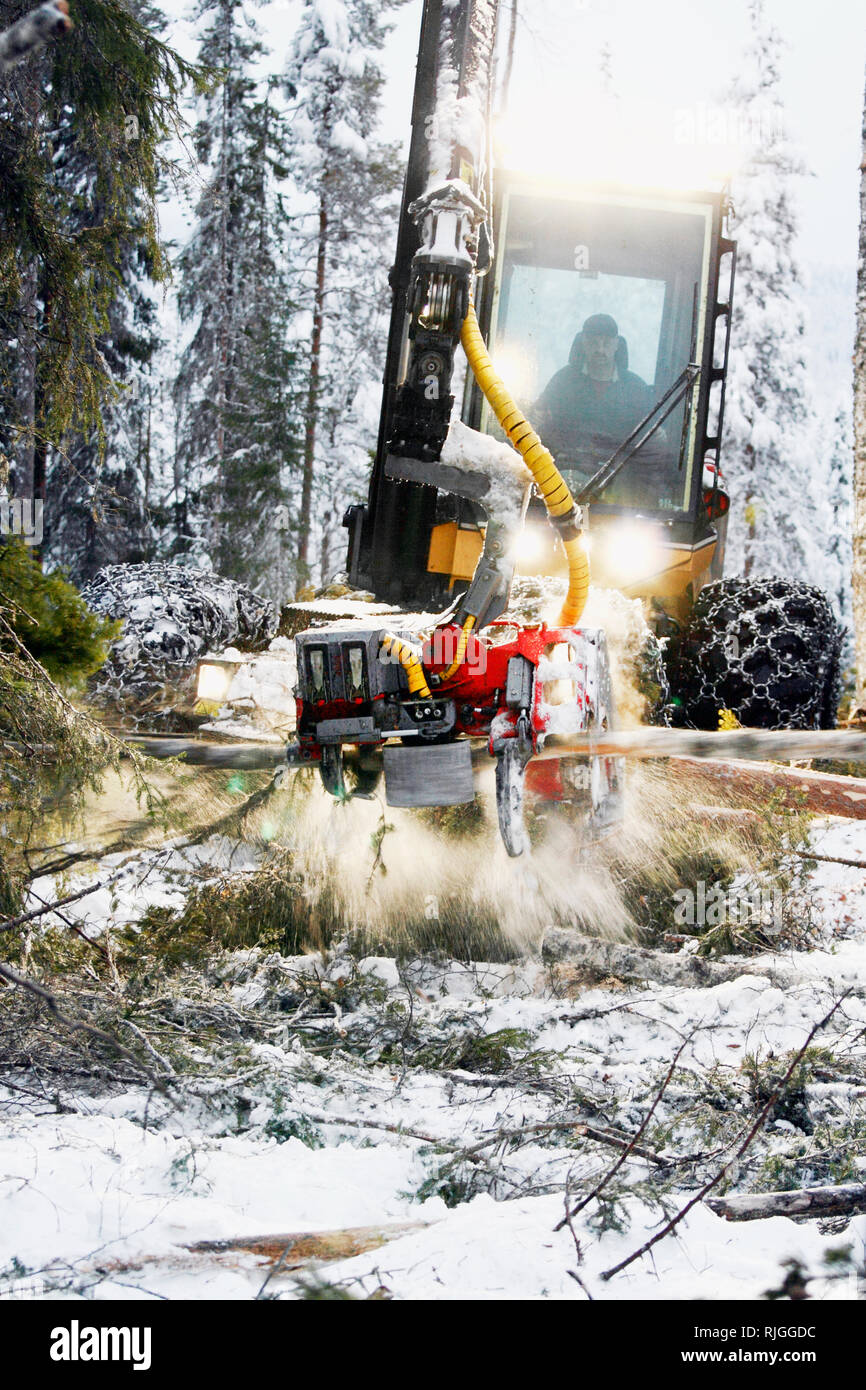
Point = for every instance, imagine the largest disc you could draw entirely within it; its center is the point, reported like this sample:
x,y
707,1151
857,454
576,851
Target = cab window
x,y
599,309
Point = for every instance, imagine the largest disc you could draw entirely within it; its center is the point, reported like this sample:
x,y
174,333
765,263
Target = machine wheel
x,y
767,649
652,681
360,779
833,686
364,781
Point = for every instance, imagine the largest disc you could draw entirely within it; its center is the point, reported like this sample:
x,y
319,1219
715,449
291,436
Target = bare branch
x,y
754,1129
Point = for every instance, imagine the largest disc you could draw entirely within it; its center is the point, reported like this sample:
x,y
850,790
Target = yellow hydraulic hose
x,y
547,477
411,663
461,650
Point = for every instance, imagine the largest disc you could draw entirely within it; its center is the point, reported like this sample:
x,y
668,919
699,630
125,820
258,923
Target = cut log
x,y
820,792
566,946
763,745
293,1250
845,1200
301,1247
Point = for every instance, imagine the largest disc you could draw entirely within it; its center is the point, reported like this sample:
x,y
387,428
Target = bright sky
x,y
670,59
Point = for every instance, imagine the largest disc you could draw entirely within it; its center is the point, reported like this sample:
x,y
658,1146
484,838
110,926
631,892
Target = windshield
x,y
599,309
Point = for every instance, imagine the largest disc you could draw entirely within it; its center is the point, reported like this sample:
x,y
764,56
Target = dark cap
x,y
600,326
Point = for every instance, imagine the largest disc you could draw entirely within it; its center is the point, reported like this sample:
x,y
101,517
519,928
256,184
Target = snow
x,y
343,137
105,1198
460,121
510,479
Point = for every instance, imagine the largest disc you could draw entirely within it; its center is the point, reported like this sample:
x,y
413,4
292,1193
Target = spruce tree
x,y
840,495
858,575
83,130
235,386
770,451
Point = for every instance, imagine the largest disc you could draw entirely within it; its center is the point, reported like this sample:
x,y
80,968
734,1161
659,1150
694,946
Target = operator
x,y
589,407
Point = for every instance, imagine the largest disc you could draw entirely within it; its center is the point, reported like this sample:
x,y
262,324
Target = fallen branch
x,y
304,1246
12,922
77,1025
844,1200
577,1125
723,1172
630,1148
826,858
286,1251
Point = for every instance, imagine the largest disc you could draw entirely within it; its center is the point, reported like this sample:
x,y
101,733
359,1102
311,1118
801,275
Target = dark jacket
x,y
577,415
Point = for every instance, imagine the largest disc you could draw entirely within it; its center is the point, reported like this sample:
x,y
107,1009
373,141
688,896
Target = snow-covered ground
x,y
367,1094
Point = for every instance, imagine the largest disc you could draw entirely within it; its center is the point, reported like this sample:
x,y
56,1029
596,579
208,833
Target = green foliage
x,y
453,1185
791,1103
492,1053
50,617
266,909
317,1290
283,1127
455,822
52,755
83,133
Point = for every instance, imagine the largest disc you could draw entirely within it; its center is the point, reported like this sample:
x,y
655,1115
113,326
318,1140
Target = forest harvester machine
x,y
615,304
549,273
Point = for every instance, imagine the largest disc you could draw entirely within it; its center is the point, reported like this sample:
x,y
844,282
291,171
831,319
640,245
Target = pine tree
x,y
234,389
347,183
96,494
858,576
76,194
840,482
770,429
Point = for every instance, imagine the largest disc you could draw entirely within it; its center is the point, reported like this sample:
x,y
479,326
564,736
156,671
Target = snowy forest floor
x,y
428,1123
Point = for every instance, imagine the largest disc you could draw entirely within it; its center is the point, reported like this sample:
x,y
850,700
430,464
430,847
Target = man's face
x,y
600,350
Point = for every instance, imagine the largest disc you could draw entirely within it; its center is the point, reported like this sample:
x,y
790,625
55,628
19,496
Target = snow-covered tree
x,y
237,430
97,494
83,129
343,248
780,518
859,567
837,581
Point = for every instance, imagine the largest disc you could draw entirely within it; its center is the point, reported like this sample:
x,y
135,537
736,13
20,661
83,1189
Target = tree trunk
x,y
509,57
327,539
28,88
807,1201
22,481
313,397
858,575
798,788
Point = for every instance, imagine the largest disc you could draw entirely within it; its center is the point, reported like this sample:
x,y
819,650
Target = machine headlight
x,y
630,553
533,544
214,679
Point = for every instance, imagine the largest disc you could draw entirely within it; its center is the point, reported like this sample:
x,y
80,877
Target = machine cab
x,y
607,313
604,316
